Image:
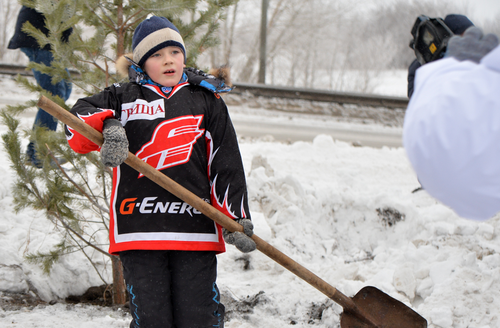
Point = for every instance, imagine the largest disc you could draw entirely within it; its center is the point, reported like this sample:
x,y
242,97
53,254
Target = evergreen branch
x,y
77,186
166,8
106,197
47,259
66,226
82,249
26,176
106,210
132,19
86,181
95,64
91,221
82,86
107,73
107,24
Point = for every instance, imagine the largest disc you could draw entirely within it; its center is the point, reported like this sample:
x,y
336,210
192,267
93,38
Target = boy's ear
x,y
122,65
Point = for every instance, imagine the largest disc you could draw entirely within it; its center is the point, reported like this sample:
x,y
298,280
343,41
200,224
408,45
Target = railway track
x,y
340,107
270,91
14,70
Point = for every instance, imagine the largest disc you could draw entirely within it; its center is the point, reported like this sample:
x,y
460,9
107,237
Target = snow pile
x,y
346,213
349,215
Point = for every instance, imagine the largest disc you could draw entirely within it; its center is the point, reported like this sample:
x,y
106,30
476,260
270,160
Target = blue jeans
x,y
61,89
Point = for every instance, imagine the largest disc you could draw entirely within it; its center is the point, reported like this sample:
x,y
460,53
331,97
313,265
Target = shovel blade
x,y
384,311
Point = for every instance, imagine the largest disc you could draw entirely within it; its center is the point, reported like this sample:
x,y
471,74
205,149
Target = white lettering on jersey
x,y
142,110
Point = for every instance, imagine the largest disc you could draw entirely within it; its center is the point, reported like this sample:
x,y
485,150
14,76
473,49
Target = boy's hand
x,y
472,46
242,241
114,150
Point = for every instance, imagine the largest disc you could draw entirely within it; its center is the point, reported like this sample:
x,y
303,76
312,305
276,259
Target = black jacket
x,y
186,134
411,76
23,40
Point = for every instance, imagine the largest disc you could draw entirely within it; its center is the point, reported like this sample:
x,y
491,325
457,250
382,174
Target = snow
x,y
346,213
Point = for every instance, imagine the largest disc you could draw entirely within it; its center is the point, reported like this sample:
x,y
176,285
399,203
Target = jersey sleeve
x,y
93,111
225,166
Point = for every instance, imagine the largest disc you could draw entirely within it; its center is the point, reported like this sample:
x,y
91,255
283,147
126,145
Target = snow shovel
x,y
370,307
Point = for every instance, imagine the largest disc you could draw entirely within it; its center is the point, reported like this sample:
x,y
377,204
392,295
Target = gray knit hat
x,y
153,34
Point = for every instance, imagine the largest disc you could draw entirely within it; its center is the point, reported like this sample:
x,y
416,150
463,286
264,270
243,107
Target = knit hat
x,y
153,34
457,23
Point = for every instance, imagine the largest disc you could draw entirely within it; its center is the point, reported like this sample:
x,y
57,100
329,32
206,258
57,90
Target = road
x,y
291,130
279,132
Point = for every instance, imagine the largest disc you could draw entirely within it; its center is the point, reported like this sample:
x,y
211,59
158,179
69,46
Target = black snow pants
x,y
172,289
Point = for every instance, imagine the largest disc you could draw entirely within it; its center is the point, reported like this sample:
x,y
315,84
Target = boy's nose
x,y
168,59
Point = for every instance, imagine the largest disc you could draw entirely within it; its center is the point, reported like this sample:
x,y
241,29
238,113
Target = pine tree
x,y
76,198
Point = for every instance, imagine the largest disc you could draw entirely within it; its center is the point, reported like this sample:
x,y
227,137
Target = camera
x,y
430,38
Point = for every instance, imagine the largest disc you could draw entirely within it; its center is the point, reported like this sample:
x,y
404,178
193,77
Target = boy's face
x,y
165,66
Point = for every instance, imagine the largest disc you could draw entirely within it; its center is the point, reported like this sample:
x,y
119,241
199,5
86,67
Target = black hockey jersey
x,y
186,134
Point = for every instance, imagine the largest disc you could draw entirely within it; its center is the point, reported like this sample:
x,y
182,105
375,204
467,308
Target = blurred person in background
x,y
30,47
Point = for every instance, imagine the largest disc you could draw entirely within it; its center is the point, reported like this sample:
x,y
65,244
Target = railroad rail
x,y
14,70
271,91
8,69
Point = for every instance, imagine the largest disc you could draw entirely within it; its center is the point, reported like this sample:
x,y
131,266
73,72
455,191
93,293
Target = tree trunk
x,y
119,290
229,40
263,42
120,32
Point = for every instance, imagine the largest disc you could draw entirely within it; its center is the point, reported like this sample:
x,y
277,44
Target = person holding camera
x,y
451,130
457,24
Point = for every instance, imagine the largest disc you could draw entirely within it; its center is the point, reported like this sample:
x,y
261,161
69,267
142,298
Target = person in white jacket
x,y
451,131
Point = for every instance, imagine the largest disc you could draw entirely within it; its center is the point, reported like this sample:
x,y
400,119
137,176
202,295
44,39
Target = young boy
x,y
170,119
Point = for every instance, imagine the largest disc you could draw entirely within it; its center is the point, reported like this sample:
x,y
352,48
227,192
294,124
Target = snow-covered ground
x,y
346,213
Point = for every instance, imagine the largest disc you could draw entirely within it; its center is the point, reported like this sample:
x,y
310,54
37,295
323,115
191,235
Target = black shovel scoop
x,y
370,307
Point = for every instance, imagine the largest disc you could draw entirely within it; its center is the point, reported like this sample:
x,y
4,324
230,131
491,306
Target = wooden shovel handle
x,y
207,209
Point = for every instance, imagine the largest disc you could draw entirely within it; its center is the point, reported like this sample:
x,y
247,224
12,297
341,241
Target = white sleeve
x,y
451,134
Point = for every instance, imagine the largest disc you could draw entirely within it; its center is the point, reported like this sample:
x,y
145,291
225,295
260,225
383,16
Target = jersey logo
x,y
172,142
142,110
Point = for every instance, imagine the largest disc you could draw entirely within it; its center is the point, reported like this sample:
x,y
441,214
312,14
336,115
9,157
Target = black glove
x,y
472,46
114,150
241,240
